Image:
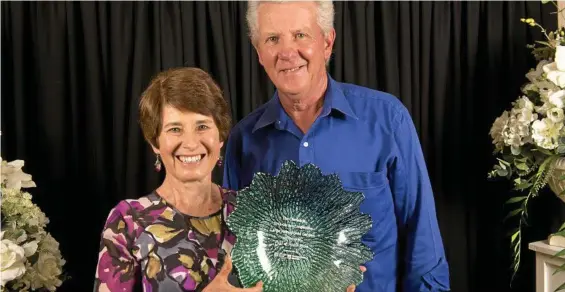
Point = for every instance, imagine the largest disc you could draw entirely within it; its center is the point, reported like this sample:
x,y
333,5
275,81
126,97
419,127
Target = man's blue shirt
x,y
368,138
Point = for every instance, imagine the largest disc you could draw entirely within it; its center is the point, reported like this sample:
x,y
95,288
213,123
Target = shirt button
x,y
305,144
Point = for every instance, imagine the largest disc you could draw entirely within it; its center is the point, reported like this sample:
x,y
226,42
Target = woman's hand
x,y
352,287
221,284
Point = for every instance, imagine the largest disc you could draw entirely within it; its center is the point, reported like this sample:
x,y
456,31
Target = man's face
x,y
291,46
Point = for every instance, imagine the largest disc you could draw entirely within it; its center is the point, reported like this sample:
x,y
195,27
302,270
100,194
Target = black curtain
x,y
72,74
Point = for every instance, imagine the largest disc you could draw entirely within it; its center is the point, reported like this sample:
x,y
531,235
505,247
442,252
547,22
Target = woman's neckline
x,y
213,214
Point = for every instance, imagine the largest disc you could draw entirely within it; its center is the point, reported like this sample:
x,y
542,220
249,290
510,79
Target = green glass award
x,y
299,231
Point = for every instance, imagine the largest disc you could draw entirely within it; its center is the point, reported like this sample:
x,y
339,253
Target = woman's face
x,y
189,145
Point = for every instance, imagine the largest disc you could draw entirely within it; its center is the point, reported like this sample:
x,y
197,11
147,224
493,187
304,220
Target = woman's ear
x,y
155,150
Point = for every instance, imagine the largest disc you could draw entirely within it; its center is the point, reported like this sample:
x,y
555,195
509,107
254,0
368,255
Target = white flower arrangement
x,y
29,256
529,138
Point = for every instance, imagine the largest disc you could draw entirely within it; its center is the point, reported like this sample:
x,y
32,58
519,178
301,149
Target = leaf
x,y
559,254
559,269
511,232
516,200
515,150
542,150
561,149
518,180
544,43
560,287
512,213
514,236
522,166
503,163
559,233
562,227
523,186
502,172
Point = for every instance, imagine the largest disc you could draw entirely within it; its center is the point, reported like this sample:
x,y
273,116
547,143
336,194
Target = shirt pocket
x,y
376,191
363,181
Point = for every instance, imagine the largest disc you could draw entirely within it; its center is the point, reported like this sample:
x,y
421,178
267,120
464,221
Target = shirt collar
x,y
333,99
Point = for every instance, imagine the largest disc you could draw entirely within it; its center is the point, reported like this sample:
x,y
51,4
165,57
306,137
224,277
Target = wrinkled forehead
x,y
286,17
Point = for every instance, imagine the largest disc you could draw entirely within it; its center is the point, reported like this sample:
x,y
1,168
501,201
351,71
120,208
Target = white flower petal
x,y
30,248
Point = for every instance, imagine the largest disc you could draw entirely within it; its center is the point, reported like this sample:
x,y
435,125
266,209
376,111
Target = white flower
x,y
544,108
516,133
545,133
545,89
12,261
30,248
558,98
524,103
525,116
13,176
537,73
497,128
560,58
48,272
556,115
523,111
554,75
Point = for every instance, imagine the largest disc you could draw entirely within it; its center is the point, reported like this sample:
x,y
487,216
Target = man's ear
x,y
254,42
329,40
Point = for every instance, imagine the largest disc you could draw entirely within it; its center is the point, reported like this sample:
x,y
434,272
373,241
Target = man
x,y
365,136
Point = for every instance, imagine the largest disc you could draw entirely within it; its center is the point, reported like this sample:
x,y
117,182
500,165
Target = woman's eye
x,y
174,130
202,127
300,35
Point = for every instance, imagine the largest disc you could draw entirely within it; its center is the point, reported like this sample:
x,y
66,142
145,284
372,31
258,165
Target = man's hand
x,y
352,287
221,284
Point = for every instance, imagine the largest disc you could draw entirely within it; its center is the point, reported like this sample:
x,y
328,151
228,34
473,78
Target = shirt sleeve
x,y
231,164
425,265
116,268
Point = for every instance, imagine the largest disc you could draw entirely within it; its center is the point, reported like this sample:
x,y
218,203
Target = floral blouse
x,y
148,241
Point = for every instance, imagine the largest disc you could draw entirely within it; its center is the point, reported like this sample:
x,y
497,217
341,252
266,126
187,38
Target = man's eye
x,y
272,39
300,35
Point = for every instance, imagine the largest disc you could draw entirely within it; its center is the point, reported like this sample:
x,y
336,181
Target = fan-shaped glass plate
x,y
299,231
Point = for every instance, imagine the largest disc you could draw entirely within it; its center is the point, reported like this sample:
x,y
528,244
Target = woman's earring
x,y
220,161
157,163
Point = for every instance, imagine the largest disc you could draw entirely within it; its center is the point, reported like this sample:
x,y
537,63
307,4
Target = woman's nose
x,y
189,141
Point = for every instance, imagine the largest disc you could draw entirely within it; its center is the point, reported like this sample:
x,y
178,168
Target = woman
x,y
175,238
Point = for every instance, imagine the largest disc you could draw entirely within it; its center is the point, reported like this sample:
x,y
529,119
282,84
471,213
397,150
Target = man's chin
x,y
291,88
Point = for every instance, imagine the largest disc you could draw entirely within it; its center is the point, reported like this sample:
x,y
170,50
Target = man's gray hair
x,y
325,17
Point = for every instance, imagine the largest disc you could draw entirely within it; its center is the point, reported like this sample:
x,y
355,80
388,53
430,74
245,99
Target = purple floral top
x,y
150,241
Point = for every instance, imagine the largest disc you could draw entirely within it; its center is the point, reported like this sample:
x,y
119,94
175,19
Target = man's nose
x,y
289,49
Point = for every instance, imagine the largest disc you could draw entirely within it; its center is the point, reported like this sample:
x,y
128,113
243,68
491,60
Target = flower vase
x,y
556,184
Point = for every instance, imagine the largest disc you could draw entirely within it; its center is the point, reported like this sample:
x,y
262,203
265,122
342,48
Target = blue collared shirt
x,y
368,138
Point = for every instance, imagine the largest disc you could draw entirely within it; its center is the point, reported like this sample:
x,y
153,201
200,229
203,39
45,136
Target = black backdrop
x,y
72,73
